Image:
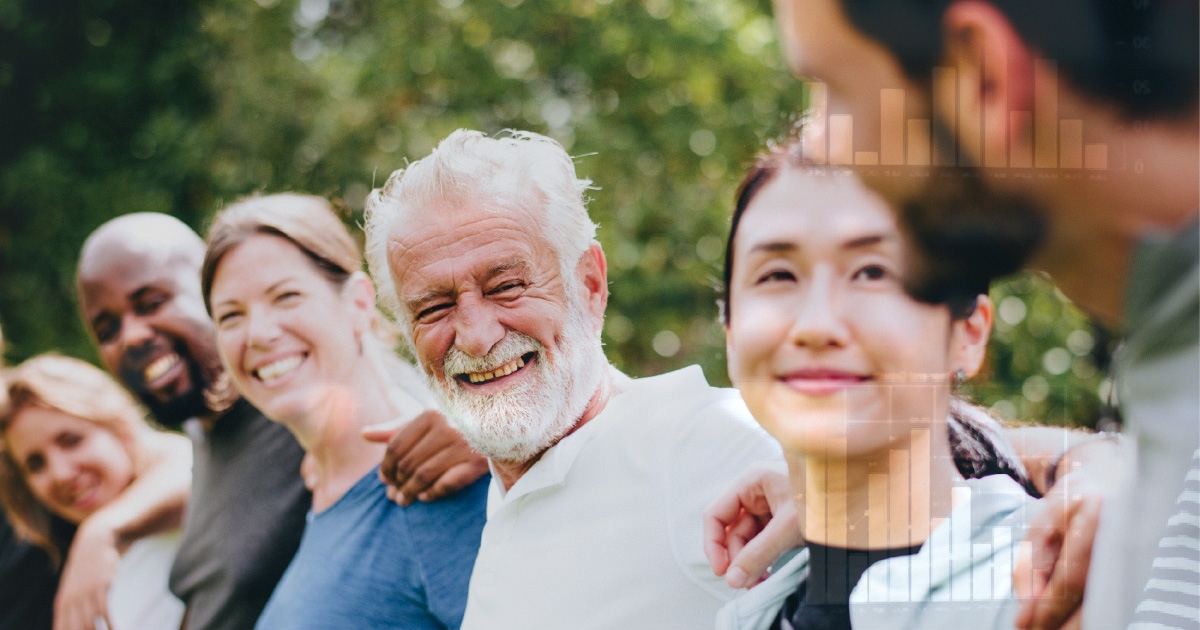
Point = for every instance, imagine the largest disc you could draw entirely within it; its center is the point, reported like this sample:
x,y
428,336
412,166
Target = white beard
x,y
518,423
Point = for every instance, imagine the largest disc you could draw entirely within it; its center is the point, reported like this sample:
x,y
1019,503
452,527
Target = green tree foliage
x,y
117,106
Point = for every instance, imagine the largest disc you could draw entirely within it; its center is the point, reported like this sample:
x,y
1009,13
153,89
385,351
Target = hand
x,y
82,596
749,526
1050,575
426,458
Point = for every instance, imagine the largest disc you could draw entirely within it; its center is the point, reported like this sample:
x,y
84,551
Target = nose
x,y
60,469
261,328
135,331
818,323
476,328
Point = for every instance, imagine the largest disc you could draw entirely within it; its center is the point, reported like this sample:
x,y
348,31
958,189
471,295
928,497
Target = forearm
x,y
1047,451
155,501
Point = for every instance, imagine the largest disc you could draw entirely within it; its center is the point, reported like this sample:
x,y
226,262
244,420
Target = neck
x,y
1098,219
331,432
883,500
612,383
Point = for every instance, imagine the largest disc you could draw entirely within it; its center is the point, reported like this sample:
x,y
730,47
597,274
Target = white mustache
x,y
513,345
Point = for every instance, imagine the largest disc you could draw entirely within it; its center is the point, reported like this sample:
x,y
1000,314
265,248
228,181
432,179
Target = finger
x,y
1064,590
715,521
1075,621
394,468
1046,532
428,472
99,608
1039,552
745,528
64,616
1025,585
436,437
73,617
760,552
383,431
458,477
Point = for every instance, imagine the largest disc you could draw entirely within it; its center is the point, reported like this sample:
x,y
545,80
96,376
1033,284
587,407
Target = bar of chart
x,y
984,561
903,141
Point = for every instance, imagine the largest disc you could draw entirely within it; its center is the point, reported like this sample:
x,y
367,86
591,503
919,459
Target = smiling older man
x,y
485,253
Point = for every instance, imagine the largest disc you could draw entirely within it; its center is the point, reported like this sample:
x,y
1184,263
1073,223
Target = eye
x,y
149,304
287,297
34,463
228,318
870,273
431,313
68,439
775,275
507,288
105,329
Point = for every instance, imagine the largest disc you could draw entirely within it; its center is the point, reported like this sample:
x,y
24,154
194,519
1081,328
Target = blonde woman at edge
x,y
72,441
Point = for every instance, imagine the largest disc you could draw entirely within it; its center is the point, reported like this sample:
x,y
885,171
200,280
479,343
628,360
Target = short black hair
x,y
1140,56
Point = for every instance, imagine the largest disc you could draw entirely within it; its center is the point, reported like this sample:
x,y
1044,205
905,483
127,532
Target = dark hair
x,y
1139,55
980,448
960,298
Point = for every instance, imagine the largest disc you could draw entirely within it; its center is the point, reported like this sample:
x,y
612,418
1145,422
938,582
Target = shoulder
x,y
683,402
425,523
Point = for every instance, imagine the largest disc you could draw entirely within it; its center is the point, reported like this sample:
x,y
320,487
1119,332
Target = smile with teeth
x,y
503,370
277,369
159,366
83,497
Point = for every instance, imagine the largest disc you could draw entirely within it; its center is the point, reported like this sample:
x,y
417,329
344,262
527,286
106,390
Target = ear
x,y
969,338
360,294
995,74
592,273
730,370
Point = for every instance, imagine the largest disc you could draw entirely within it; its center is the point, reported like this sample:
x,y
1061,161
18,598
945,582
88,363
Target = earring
x,y
960,377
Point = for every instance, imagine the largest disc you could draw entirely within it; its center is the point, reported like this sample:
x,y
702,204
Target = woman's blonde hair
x,y
71,386
308,222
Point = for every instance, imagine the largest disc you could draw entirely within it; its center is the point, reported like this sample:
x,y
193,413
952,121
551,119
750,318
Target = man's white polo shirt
x,y
604,531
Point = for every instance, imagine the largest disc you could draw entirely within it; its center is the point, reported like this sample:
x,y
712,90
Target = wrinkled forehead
x,y
465,243
475,216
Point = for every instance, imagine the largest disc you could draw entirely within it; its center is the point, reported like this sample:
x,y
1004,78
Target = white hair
x,y
504,173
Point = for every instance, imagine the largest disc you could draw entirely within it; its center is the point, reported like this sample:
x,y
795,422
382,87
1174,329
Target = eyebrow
x,y
867,241
499,268
141,292
777,247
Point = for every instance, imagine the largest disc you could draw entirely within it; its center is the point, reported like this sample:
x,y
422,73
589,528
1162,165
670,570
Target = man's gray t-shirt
x,y
244,520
